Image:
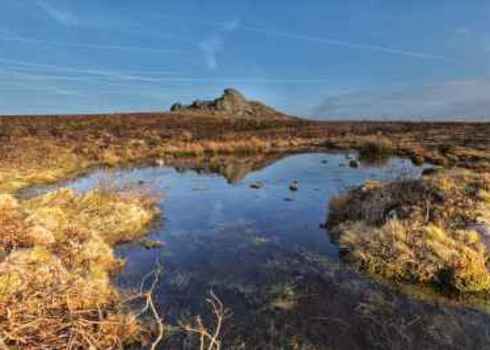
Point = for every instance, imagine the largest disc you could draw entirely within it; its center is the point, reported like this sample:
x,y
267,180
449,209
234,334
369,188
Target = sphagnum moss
x,y
55,286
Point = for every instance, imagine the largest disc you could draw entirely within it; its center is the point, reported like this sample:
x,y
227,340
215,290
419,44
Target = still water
x,y
264,252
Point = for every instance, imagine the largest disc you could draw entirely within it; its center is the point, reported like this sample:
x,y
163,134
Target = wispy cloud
x,y
60,16
12,37
215,43
238,25
109,74
41,71
451,100
348,44
210,47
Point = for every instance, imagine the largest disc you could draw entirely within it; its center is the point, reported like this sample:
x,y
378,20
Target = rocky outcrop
x,y
232,103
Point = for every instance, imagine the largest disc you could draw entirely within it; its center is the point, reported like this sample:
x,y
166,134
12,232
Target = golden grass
x,y
46,161
375,147
55,287
418,231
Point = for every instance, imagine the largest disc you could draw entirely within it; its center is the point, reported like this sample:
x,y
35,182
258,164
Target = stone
x,y
257,185
483,230
354,163
233,103
294,186
151,244
176,107
430,171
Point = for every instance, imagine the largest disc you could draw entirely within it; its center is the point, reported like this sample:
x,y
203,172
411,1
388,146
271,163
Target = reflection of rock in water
x,y
233,168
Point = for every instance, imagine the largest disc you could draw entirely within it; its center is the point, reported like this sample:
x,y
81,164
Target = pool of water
x,y
264,252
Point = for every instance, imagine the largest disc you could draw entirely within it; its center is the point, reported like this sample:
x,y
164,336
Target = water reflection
x,y
263,252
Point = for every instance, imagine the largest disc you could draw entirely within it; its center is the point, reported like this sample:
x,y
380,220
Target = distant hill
x,y
231,104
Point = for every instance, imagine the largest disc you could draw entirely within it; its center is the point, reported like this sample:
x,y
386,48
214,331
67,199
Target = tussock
x,y
55,287
420,231
375,147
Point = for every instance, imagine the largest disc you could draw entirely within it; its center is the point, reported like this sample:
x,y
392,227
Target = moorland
x,y
56,250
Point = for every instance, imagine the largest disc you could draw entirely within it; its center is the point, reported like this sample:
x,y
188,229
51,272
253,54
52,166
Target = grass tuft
x,y
55,285
376,148
418,231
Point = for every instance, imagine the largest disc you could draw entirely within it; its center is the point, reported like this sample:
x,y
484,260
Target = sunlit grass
x,y
55,285
418,231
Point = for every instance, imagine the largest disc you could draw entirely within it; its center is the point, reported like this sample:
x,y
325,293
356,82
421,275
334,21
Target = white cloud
x,y
210,48
452,100
62,17
213,45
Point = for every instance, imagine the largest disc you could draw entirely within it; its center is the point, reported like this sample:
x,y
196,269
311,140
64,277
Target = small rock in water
x,y
324,161
151,244
354,163
257,185
141,182
287,199
294,186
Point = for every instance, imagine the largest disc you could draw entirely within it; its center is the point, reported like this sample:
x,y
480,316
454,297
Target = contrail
x,y
90,46
97,72
137,76
349,45
326,41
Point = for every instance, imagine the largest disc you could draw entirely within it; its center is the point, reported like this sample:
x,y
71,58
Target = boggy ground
x,y
57,257
45,149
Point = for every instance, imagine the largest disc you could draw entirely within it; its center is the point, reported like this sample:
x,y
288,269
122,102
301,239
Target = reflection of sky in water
x,y
205,204
215,231
252,247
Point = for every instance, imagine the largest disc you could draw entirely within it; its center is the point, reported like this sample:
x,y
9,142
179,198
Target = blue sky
x,y
323,59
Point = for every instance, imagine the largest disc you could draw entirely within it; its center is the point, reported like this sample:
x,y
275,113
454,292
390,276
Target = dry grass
x,y
55,287
375,147
40,150
419,231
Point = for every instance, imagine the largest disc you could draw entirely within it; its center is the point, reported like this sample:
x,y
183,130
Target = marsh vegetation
x,y
64,281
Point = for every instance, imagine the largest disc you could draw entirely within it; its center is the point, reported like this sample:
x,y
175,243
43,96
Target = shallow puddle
x,y
251,231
